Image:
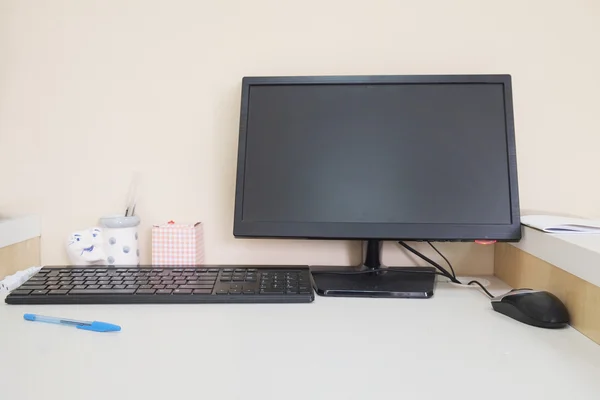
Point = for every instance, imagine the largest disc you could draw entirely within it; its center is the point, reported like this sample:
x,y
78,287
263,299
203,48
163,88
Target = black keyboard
x,y
114,285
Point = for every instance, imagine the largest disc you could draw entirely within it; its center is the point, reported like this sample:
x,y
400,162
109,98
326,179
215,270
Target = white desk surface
x,y
452,346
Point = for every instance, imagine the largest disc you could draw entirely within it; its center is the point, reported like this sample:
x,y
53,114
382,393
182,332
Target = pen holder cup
x,y
121,241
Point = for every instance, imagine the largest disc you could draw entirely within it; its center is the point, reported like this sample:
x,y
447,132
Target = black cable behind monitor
x,y
444,272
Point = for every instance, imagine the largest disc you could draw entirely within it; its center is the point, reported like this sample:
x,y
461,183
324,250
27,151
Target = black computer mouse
x,y
533,307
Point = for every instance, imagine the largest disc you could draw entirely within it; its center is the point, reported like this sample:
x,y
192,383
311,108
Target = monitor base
x,y
418,283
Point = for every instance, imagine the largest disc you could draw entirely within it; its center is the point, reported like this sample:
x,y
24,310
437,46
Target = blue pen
x,y
95,326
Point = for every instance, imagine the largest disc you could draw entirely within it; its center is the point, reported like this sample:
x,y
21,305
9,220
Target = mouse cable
x,y
445,273
491,296
444,257
430,261
473,282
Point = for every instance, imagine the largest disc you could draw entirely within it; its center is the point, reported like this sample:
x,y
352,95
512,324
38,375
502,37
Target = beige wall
x,y
92,90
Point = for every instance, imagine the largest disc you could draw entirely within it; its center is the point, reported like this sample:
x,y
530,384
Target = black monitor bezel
x,y
381,231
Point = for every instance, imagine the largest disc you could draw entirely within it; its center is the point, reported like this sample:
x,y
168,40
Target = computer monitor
x,y
374,158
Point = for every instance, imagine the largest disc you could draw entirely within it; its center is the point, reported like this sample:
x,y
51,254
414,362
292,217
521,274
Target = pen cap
x,y
29,317
98,326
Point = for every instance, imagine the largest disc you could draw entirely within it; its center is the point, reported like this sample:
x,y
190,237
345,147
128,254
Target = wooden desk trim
x,y
19,256
521,269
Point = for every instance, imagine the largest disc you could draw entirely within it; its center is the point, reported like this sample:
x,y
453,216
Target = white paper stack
x,y
558,224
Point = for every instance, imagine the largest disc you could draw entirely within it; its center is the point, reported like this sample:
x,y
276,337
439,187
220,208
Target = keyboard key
x,y
200,283
271,291
163,291
213,270
39,292
225,279
133,286
66,287
102,291
248,291
235,291
146,287
182,291
93,287
32,287
202,291
20,292
158,287
119,286
196,286
57,292
145,291
222,291
106,287
227,270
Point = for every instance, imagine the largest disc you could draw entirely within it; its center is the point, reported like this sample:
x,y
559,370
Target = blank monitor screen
x,y
388,155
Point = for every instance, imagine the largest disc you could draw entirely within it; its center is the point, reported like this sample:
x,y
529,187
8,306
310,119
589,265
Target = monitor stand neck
x,y
372,252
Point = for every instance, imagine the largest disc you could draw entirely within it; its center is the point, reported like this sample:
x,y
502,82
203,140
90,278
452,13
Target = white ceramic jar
x,y
121,242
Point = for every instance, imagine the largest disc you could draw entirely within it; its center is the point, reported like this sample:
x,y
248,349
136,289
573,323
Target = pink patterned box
x,y
177,244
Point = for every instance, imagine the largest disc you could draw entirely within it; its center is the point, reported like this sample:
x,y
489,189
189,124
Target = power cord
x,y
430,261
444,257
